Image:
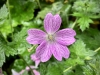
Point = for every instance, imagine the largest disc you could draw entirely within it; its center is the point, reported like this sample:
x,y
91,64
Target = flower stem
x,y
10,22
73,25
27,64
68,69
97,49
38,3
1,71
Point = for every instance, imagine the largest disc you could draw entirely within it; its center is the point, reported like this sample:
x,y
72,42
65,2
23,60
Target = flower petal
x,y
52,23
65,36
32,67
36,36
44,51
60,51
36,72
37,60
14,72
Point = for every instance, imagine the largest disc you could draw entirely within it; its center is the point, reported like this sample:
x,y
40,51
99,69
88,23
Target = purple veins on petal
x,y
37,60
52,42
60,51
44,51
65,36
36,36
52,23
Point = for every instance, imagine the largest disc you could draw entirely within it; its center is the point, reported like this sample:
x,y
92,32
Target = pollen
x,y
50,37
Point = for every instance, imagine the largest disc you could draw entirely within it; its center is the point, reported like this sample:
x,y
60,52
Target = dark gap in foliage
x,y
18,28
73,70
2,2
9,38
99,26
7,66
36,12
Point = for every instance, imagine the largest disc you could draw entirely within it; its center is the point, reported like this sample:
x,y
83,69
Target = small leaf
x,y
2,58
42,13
84,22
3,12
19,64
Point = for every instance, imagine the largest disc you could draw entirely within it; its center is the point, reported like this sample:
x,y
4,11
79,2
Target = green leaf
x,y
77,14
19,64
25,73
86,6
42,13
91,38
95,64
20,42
79,48
22,10
18,46
2,57
79,53
3,12
87,70
53,69
54,8
5,28
74,61
84,22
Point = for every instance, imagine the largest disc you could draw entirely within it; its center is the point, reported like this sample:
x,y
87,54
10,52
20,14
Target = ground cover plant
x,y
49,37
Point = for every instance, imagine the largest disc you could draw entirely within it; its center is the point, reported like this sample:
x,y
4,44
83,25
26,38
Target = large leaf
x,y
79,53
22,10
53,69
91,38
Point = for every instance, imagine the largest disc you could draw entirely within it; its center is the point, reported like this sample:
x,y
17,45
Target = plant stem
x,y
27,64
10,21
73,25
97,49
67,69
38,3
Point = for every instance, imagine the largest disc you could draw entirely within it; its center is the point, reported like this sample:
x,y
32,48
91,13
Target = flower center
x,y
50,37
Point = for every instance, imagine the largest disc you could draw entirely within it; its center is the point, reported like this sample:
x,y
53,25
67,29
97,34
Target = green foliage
x,y
25,73
84,11
86,6
22,10
91,37
53,69
26,14
95,65
3,12
2,58
19,65
84,22
79,53
3,16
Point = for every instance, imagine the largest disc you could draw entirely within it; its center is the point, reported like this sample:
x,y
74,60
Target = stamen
x,y
50,37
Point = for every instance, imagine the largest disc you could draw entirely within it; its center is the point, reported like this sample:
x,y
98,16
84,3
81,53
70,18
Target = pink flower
x,y
34,58
26,69
52,42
